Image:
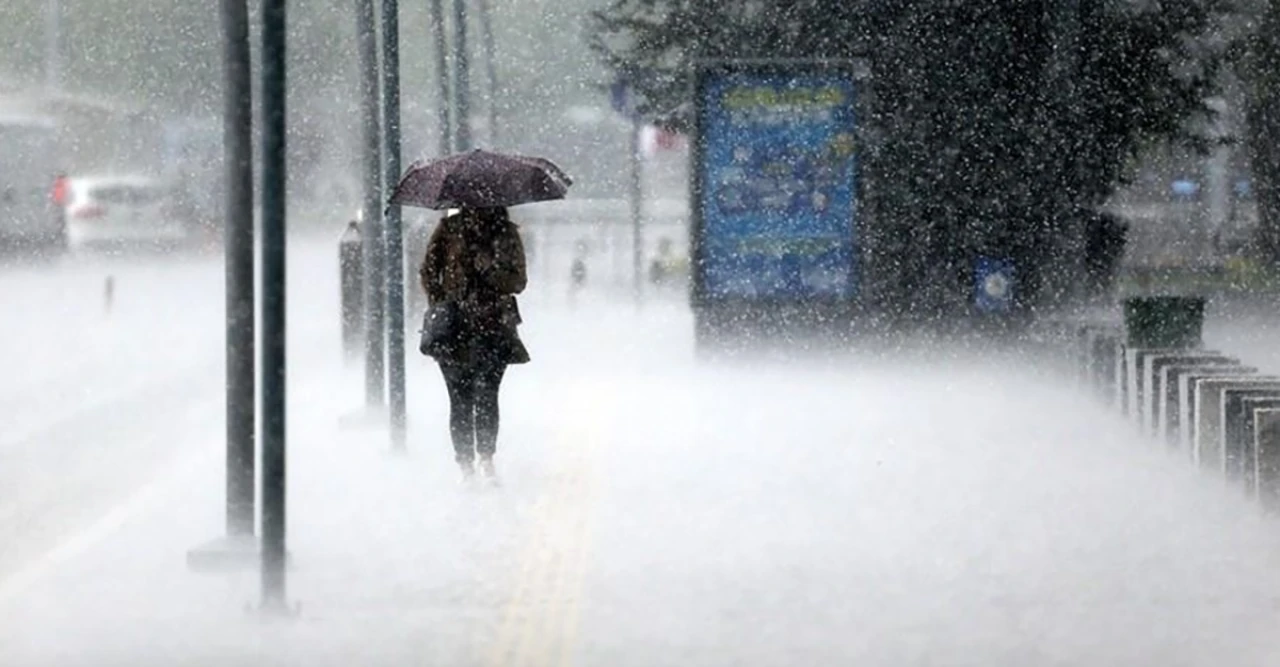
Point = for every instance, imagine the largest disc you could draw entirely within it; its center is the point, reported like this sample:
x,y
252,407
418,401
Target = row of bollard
x,y
1222,415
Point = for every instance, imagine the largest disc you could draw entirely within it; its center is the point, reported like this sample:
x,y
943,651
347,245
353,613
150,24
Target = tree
x,y
1003,122
1260,68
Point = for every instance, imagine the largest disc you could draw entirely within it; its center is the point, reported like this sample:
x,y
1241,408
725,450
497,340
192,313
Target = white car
x,y
124,211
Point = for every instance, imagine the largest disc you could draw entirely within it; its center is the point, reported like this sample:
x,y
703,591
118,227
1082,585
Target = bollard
x,y
351,279
1119,376
1135,387
1187,382
1171,386
1208,451
109,293
1251,406
1237,431
1101,342
1266,445
1155,386
1080,352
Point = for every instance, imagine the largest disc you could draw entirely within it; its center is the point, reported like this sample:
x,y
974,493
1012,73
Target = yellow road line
x,y
502,650
572,615
543,611
582,530
540,622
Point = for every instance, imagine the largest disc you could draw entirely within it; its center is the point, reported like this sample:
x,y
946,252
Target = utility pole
x,y
461,79
440,49
273,304
636,190
374,246
395,239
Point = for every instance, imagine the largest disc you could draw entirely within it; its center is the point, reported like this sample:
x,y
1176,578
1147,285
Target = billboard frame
x,y
709,310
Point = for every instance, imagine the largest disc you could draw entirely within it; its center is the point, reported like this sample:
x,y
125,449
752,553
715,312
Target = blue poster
x,y
778,200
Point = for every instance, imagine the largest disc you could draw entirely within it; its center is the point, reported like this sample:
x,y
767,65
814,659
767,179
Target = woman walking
x,y
475,263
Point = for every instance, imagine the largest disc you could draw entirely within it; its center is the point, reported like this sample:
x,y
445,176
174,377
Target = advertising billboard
x,y
775,182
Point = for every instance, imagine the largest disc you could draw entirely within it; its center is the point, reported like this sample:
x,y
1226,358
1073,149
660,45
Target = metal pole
x,y
441,45
53,44
636,197
241,381
273,303
490,68
1063,77
375,295
395,240
462,79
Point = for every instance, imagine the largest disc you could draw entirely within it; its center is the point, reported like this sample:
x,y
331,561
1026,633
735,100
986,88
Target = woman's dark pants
x,y
473,406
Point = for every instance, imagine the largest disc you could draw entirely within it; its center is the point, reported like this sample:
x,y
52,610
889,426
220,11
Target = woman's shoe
x,y
468,467
488,470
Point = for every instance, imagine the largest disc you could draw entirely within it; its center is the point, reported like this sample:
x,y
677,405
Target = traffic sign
x,y
625,99
993,285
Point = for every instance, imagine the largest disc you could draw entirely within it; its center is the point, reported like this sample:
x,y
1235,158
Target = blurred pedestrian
x,y
661,266
475,262
578,270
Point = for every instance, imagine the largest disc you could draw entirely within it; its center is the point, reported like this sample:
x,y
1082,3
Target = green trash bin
x,y
1171,322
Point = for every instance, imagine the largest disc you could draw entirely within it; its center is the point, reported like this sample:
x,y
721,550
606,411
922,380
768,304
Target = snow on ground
x,y
946,510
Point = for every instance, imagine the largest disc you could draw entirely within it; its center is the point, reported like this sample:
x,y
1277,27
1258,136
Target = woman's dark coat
x,y
478,264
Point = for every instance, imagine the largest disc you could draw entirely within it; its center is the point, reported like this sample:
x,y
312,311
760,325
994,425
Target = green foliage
x,y
993,139
1256,55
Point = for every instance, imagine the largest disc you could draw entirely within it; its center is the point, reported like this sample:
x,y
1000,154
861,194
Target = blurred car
x,y
125,210
29,219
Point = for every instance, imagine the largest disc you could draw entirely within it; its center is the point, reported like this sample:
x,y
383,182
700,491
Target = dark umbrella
x,y
480,179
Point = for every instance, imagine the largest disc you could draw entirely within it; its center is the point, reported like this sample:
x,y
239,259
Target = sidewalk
x,y
394,561
656,512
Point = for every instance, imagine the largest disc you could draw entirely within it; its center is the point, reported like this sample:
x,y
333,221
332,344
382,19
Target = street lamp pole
x,y
239,243
440,49
374,245
238,548
394,231
635,197
462,79
274,171
491,68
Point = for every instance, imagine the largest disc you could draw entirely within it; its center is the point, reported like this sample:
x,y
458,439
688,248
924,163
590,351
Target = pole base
x,y
235,553
366,418
271,610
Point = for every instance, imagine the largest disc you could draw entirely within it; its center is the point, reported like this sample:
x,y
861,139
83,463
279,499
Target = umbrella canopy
x,y
480,179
